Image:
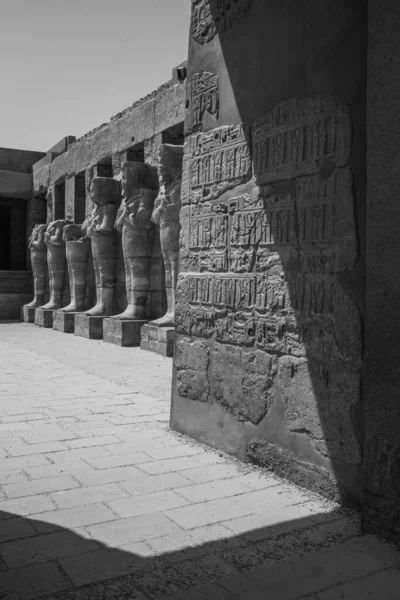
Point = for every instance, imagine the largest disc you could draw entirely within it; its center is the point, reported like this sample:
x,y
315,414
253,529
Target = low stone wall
x,y
15,290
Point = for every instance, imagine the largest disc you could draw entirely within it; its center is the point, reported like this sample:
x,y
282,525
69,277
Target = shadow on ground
x,y
41,559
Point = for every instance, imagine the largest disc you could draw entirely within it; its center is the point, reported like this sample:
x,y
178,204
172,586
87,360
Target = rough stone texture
x,y
157,339
88,327
381,389
192,361
44,317
64,322
122,333
272,244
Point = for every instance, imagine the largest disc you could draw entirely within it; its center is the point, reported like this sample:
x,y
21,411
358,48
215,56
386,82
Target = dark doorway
x,y
5,219
12,234
174,135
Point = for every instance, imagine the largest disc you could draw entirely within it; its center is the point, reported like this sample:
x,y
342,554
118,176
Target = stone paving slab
x,y
99,499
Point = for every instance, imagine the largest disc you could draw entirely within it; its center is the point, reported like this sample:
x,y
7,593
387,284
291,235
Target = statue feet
x,y
131,313
36,303
52,305
98,311
72,307
165,321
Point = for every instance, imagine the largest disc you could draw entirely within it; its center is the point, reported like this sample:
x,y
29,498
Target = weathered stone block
x,y
44,317
158,339
64,322
89,327
122,333
27,314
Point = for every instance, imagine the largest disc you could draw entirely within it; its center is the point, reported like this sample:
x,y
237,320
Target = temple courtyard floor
x,y
99,499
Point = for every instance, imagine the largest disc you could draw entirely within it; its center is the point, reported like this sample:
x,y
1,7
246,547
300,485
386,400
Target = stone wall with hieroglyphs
x,y
269,336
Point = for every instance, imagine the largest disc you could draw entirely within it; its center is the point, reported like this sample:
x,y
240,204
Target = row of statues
x,y
150,200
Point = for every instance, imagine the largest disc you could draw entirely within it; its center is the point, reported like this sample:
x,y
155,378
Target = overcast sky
x,y
69,65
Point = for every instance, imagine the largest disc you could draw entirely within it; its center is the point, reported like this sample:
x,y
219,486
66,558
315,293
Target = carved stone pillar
x,y
166,215
139,191
105,194
38,252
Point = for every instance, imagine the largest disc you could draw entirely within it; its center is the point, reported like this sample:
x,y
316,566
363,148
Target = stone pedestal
x,y
158,339
64,322
27,314
89,327
44,317
122,333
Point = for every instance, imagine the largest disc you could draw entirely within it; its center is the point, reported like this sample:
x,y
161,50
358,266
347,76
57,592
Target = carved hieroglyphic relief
x,y
299,137
220,161
202,96
259,269
210,17
326,225
169,107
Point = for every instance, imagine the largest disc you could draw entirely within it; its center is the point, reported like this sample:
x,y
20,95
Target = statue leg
x,y
104,256
39,269
169,232
137,265
77,259
57,261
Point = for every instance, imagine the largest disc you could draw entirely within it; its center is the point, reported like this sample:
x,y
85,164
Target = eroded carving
x,y
56,262
202,94
210,17
77,252
191,361
243,380
139,190
39,265
105,194
220,161
166,215
302,136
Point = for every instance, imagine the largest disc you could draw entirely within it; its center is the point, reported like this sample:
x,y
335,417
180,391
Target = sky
x,y
67,66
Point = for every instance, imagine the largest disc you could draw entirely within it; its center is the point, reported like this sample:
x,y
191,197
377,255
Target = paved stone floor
x,y
98,499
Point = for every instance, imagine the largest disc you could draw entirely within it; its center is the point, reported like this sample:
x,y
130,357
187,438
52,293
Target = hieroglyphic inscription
x,y
220,160
169,107
299,137
327,233
202,94
305,295
222,291
208,227
210,17
269,222
266,294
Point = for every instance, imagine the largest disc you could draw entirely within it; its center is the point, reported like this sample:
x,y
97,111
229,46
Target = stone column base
x,y
44,317
158,339
89,327
27,314
122,333
64,322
